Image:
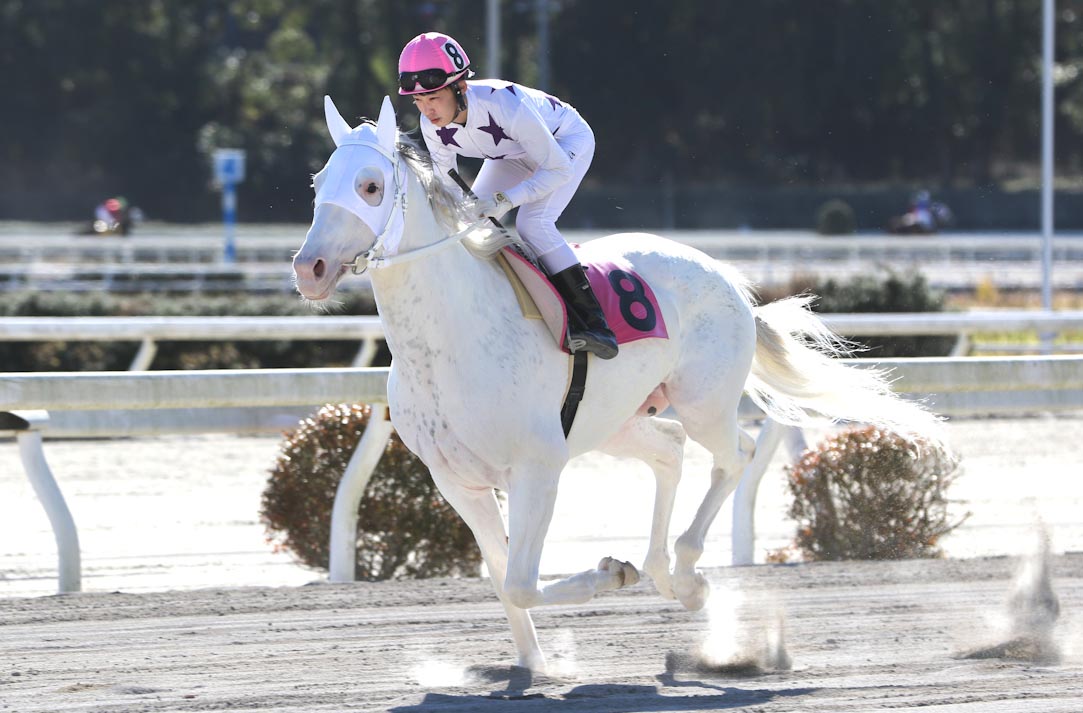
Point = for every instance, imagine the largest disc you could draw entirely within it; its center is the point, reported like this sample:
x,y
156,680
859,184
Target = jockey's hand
x,y
493,207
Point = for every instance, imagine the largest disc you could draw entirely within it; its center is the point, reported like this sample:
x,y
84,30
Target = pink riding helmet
x,y
431,61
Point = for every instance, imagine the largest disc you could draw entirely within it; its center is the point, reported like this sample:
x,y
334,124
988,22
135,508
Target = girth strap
x,y
575,391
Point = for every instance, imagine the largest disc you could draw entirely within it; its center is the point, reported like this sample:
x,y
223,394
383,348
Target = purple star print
x,y
447,135
494,130
554,101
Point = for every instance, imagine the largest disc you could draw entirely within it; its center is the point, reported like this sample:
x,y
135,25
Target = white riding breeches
x,y
537,221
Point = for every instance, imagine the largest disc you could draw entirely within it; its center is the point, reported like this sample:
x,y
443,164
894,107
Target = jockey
x,y
536,149
110,212
921,211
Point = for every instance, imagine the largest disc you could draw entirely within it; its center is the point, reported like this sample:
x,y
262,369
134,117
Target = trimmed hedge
x,y
891,292
113,356
405,528
886,292
836,217
866,493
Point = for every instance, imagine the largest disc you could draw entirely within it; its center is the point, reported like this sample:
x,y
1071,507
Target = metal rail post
x,y
28,426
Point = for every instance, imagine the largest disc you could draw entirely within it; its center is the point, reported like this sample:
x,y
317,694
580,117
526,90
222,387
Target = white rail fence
x,y
963,326
174,259
148,331
37,403
107,404
278,242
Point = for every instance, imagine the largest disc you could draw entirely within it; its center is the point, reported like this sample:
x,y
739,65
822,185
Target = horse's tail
x,y
796,371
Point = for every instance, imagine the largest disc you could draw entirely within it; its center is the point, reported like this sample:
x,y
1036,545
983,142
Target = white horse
x,y
475,390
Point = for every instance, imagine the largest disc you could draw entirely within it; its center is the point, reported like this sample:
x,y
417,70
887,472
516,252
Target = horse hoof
x,y
625,572
692,591
534,662
657,568
664,587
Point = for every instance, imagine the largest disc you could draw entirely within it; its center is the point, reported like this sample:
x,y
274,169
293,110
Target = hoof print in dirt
x,y
737,668
1031,649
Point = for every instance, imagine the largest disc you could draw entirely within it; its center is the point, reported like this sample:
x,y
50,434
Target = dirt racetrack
x,y
862,636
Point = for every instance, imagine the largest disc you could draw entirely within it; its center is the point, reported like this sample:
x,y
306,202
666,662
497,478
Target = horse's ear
x,y
335,123
386,127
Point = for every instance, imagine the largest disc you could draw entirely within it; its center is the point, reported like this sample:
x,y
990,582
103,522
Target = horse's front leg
x,y
531,499
480,510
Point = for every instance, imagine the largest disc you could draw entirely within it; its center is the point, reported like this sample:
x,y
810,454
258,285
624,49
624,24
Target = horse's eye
x,y
372,192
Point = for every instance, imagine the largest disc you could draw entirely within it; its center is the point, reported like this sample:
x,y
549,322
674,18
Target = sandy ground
x,y
172,524
858,637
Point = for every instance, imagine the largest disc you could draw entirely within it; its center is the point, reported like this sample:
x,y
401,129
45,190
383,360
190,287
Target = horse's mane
x,y
450,210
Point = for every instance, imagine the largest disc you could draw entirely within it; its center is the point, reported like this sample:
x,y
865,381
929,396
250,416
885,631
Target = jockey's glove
x,y
494,207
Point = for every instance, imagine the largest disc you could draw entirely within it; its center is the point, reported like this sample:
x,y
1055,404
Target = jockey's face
x,y
439,107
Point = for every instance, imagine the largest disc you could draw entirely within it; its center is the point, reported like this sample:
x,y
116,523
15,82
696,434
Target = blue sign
x,y
229,166
228,172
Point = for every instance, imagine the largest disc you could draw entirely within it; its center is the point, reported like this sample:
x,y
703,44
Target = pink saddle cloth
x,y
628,302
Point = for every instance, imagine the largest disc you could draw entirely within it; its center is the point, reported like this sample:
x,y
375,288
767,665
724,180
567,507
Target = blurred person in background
x,y
114,216
925,217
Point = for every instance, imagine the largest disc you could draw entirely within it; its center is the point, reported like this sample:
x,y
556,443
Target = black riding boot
x,y
587,328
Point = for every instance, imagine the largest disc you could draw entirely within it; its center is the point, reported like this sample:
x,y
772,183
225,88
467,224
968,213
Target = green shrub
x,y
836,217
866,493
889,291
405,528
892,292
112,356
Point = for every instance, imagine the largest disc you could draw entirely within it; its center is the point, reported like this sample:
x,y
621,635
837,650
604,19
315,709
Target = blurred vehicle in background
x,y
925,217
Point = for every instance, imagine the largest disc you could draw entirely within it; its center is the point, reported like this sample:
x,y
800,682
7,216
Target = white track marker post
x,y
350,491
744,499
148,348
28,426
366,353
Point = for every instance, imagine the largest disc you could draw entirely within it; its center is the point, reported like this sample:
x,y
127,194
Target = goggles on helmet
x,y
430,79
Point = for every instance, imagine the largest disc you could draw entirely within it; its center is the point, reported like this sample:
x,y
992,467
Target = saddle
x,y
628,302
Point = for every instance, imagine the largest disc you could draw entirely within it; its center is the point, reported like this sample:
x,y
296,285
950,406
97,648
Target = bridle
x,y
373,257
363,259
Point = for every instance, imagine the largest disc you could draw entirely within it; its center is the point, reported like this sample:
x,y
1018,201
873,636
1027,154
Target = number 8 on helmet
x,y
431,61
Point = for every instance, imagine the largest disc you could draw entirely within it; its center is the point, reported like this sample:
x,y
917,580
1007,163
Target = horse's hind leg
x,y
480,510
659,443
711,422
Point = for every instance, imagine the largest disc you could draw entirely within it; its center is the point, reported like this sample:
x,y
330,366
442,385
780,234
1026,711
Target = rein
x,y
367,259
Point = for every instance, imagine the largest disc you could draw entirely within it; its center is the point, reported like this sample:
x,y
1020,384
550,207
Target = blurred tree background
x,y
762,103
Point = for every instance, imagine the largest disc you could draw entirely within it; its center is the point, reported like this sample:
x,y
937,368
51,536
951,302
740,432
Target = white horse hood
x,y
340,180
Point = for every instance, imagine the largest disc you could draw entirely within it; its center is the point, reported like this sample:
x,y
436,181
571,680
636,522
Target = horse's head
x,y
359,202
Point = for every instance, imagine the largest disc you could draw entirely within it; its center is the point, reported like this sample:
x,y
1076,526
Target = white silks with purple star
x,y
341,177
